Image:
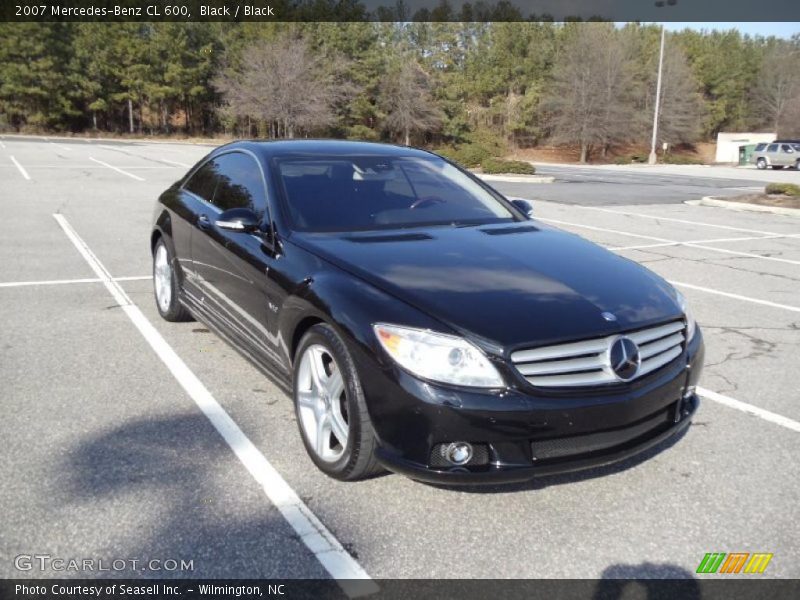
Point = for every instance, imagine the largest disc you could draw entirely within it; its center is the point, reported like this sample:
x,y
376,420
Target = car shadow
x,y
546,481
170,488
657,581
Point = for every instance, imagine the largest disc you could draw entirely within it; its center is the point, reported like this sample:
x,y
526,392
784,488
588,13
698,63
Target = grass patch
x,y
783,189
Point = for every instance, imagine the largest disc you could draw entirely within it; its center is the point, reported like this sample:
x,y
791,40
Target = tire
x,y
166,286
761,164
797,166
320,355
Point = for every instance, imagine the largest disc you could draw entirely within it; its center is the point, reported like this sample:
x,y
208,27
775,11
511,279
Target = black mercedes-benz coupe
x,y
422,322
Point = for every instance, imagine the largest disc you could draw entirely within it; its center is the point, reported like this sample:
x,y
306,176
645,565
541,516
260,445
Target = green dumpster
x,y
745,152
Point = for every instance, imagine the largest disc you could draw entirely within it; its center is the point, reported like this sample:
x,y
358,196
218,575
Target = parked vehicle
x,y
777,155
422,322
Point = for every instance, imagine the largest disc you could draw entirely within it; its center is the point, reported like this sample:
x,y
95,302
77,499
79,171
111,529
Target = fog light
x,y
690,391
458,453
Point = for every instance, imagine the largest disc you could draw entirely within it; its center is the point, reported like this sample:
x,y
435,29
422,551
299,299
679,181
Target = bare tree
x,y
406,99
282,84
590,101
681,111
778,88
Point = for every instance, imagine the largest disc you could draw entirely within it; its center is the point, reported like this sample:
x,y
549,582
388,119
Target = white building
x,y
728,144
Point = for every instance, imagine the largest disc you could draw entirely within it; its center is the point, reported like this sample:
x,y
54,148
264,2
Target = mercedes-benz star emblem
x,y
624,358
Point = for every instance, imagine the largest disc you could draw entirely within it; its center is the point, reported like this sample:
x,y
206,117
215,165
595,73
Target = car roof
x,y
321,148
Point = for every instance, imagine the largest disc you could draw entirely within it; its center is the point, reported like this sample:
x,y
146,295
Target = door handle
x,y
203,222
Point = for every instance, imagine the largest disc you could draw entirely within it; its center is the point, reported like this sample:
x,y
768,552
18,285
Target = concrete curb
x,y
744,207
517,178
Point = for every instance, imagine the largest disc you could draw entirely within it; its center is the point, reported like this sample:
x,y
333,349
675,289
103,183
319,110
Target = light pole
x,y
653,157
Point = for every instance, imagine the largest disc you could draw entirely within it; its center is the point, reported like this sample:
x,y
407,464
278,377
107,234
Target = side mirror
x,y
524,206
242,220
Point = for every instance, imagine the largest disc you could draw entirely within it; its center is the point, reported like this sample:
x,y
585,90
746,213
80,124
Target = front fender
x,y
351,306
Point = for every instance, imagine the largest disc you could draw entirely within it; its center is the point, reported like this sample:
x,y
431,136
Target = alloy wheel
x,y
322,404
162,278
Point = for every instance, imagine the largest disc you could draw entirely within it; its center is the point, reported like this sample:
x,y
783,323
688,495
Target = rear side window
x,y
772,148
204,182
239,184
787,148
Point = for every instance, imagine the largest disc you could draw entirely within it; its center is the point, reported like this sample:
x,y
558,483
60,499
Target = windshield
x,y
350,193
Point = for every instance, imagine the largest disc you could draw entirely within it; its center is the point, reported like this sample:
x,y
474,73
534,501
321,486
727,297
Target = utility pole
x,y
653,157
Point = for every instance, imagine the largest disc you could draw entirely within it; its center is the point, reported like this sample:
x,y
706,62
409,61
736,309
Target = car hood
x,y
510,285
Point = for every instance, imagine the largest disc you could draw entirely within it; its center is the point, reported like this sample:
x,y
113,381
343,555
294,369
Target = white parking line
x,y
21,168
352,578
172,162
11,284
105,164
750,409
674,220
48,140
713,241
677,243
700,288
2,145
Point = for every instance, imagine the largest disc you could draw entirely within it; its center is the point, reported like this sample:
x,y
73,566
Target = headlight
x,y
436,356
691,324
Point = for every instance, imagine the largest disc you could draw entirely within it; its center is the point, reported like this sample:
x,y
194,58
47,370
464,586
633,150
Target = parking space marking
x,y
60,146
172,162
713,241
735,296
21,168
2,145
10,284
674,220
750,409
658,239
350,575
105,164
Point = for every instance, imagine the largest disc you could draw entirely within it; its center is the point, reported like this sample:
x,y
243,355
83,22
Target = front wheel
x,y
165,285
330,407
761,164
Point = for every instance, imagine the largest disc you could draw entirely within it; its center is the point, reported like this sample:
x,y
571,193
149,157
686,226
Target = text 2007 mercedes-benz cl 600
x,y
423,322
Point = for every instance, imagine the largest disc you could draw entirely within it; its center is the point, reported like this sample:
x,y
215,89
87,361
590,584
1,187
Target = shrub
x,y
630,158
498,165
680,159
467,155
786,189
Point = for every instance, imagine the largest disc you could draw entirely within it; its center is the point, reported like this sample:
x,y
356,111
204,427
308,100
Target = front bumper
x,y
521,432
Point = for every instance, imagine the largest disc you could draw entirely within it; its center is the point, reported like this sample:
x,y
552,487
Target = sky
x,y
785,30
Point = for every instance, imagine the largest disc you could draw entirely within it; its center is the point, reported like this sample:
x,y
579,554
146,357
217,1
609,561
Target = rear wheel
x,y
761,163
330,407
165,285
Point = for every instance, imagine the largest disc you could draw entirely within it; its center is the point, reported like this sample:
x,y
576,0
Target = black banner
x,y
741,587
398,10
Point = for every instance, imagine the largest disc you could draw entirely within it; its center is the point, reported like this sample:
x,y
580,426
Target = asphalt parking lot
x,y
107,453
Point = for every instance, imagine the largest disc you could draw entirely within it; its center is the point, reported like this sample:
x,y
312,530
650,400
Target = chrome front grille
x,y
589,363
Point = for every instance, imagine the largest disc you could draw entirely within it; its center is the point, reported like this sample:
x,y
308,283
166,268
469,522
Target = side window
x,y
240,184
787,148
204,182
772,148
